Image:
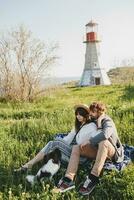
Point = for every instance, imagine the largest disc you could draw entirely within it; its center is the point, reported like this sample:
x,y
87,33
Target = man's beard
x,y
93,118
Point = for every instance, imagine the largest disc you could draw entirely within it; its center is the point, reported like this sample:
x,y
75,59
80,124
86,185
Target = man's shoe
x,y
88,186
65,184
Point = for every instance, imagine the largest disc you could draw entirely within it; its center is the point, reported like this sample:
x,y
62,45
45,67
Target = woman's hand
x,y
84,144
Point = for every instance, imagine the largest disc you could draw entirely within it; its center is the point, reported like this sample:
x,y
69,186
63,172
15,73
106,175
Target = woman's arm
x,y
70,136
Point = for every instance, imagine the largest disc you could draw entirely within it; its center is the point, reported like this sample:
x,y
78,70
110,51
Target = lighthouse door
x,y
97,81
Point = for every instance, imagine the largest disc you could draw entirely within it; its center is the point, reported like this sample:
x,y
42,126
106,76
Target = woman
x,y
84,129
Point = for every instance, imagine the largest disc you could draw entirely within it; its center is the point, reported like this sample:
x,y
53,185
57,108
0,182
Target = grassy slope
x,y
122,75
26,127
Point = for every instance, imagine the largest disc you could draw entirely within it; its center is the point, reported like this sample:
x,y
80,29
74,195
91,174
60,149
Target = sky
x,y
63,21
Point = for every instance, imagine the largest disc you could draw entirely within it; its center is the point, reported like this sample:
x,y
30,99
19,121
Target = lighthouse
x,y
94,73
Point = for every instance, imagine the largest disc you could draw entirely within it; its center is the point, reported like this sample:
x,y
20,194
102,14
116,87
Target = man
x,y
104,145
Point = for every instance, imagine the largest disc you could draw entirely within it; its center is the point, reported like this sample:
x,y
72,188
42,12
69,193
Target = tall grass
x,y
26,127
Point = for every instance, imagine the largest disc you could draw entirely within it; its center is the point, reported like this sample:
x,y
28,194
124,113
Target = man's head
x,y
96,109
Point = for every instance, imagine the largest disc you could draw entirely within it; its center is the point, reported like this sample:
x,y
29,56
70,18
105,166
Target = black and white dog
x,y
51,166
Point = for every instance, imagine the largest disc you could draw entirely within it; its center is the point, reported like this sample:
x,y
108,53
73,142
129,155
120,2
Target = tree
x,y
23,62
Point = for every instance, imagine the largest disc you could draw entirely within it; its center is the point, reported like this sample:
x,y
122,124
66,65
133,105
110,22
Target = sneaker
x,y
65,184
88,186
21,170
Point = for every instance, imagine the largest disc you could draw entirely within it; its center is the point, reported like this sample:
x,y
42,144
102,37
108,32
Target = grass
x,y
26,127
121,75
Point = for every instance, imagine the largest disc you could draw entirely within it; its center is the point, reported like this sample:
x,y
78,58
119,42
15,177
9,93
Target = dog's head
x,y
54,155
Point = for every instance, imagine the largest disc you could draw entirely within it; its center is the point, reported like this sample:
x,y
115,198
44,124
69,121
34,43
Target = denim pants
x,y
66,149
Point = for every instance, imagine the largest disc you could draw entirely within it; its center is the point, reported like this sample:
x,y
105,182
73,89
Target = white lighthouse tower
x,y
93,73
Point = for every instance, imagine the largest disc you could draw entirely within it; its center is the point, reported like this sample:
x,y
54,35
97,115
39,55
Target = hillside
x,y
26,127
122,75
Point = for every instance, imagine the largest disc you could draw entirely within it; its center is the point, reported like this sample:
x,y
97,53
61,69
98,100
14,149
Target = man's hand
x,y
99,120
84,144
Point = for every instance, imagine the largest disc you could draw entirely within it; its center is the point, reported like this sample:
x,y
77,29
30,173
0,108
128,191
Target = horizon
x,y
64,22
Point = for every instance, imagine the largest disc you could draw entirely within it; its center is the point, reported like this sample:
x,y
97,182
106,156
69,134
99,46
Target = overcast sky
x,y
63,21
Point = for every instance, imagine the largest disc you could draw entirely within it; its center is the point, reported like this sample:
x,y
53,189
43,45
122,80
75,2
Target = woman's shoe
x,y
21,169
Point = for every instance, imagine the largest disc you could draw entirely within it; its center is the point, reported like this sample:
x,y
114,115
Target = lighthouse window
x,y
95,64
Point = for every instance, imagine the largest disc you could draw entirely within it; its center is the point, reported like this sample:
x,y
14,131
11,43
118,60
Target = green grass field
x,y
26,127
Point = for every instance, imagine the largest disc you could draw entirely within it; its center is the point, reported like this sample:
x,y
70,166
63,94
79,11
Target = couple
x,y
95,137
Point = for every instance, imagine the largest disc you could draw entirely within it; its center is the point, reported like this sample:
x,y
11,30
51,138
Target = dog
x,y
51,166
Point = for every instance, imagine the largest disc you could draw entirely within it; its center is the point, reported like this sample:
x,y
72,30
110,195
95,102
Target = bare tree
x,y
23,62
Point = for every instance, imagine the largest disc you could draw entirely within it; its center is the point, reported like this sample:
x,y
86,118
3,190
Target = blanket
x,y
128,158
